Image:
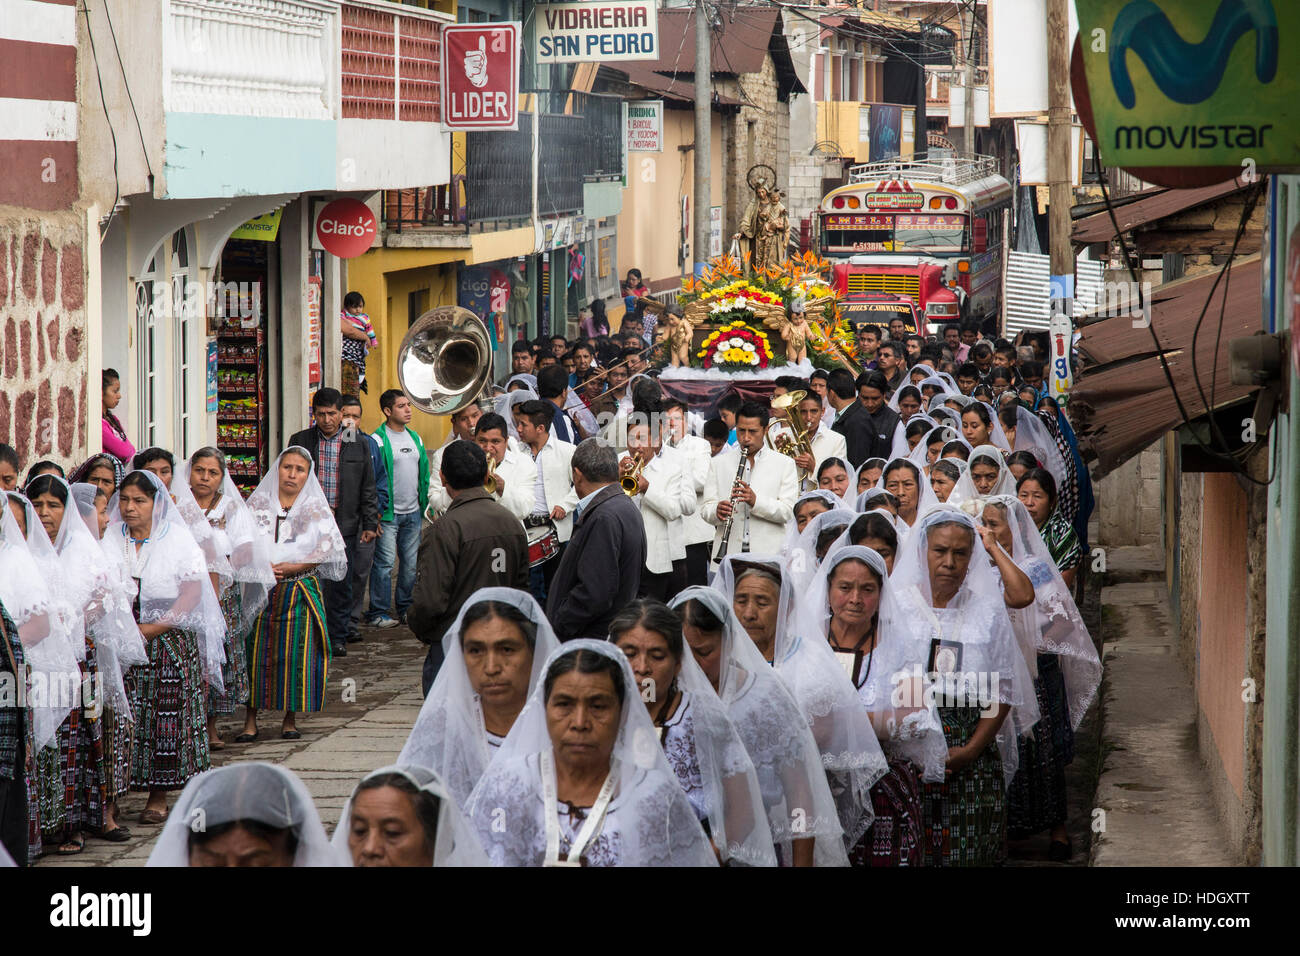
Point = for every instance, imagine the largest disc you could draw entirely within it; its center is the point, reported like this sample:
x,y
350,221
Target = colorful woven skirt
x,y
289,649
118,737
965,816
71,770
1037,798
896,836
170,740
234,672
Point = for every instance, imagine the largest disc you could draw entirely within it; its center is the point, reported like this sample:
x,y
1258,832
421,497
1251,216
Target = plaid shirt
x,y
327,466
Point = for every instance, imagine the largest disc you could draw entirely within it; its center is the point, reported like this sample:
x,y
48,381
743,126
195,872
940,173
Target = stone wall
x,y
1129,508
770,143
43,369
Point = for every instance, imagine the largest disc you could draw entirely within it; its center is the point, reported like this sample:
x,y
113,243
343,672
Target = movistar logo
x,y
1189,72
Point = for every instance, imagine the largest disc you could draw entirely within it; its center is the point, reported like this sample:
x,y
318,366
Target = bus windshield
x,y
893,233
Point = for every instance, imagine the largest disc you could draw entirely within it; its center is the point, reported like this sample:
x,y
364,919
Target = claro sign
x,y
344,228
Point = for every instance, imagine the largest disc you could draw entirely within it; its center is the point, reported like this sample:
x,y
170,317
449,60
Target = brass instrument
x,y
629,482
443,363
792,439
726,527
490,482
444,360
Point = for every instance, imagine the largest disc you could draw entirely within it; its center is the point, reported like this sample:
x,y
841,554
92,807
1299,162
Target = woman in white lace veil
x,y
980,425
807,506
72,770
239,562
404,815
505,403
42,624
183,630
1031,435
289,646
836,475
581,780
928,449
494,654
115,658
867,475
909,435
905,481
801,812
950,598
763,598
245,814
702,746
850,605
944,475
986,474
811,545
1066,669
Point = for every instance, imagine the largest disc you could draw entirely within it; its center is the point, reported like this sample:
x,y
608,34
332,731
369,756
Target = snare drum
x,y
543,544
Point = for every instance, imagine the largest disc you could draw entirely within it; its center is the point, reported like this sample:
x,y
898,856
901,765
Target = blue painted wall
x,y
216,155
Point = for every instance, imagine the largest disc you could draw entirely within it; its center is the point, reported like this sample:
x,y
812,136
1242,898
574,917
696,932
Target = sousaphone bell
x,y
445,360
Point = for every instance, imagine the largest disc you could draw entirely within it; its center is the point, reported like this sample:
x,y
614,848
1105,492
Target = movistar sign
x,y
1193,82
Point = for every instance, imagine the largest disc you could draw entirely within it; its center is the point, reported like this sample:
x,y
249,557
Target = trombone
x,y
631,481
792,439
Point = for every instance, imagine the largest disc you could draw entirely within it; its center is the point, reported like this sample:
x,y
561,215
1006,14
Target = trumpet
x,y
792,438
630,481
490,482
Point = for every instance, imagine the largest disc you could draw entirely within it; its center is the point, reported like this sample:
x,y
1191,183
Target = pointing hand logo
x,y
476,64
1189,72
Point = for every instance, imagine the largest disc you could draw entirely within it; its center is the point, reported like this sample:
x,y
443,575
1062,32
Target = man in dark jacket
x,y
475,544
851,418
347,476
600,572
872,389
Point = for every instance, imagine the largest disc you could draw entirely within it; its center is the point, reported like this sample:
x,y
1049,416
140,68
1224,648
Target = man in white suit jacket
x,y
462,427
697,459
825,442
664,497
515,471
553,496
764,500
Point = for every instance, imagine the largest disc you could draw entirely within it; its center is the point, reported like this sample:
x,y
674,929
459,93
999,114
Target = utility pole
x,y
968,81
703,131
1060,193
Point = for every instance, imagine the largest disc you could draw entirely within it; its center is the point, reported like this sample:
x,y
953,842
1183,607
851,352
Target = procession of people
x,y
655,637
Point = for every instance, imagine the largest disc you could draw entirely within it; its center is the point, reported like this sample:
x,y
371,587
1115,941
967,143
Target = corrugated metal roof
x,y
1028,291
1121,401
1165,202
739,47
673,88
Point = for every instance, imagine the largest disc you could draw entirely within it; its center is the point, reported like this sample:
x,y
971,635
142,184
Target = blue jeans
x,y
399,537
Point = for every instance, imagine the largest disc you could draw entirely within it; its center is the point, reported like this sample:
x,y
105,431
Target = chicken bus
x,y
928,229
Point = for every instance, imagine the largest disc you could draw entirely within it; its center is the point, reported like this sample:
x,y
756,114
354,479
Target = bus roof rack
x,y
953,170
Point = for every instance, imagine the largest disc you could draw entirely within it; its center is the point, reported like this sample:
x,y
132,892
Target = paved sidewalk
x,y
1158,807
339,745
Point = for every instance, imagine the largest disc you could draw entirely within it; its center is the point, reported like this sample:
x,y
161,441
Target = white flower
x,y
718,307
737,343
740,302
753,359
748,346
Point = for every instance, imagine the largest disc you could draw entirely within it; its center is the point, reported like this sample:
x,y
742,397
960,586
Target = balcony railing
x,y
303,59
581,142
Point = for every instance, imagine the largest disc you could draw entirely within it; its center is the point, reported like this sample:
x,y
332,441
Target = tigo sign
x,y
480,76
345,228
1193,82
597,31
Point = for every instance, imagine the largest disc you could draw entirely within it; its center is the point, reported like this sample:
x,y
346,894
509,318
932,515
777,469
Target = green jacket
x,y
386,449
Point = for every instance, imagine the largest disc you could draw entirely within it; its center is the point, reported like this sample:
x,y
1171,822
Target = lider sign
x,y
597,31
480,76
1193,82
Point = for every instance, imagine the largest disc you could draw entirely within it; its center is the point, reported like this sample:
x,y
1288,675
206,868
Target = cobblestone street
x,y
338,746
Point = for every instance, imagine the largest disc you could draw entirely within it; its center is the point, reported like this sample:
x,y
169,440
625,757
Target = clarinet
x,y
726,528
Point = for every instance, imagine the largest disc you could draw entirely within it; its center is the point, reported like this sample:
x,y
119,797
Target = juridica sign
x,y
597,31
1193,82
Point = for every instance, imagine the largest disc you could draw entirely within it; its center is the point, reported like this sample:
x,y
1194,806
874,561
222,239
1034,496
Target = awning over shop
x,y
1121,402
1147,208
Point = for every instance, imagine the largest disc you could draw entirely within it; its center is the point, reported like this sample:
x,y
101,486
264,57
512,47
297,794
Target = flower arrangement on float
x,y
736,347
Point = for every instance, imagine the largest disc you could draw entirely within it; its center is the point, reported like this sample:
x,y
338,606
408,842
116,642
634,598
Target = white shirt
x,y
775,481
553,482
827,443
697,458
667,497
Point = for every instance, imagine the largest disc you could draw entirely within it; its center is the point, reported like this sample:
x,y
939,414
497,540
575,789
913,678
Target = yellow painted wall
x,y
649,227
838,122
